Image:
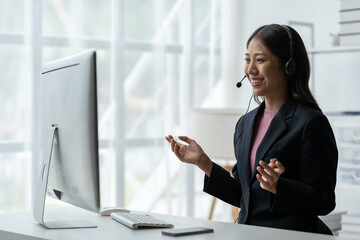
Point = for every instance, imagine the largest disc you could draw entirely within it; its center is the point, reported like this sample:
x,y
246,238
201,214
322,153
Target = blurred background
x,y
157,61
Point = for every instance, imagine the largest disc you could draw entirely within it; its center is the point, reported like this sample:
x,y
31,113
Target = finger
x,y
280,167
272,165
272,162
185,139
267,168
168,138
173,144
263,183
177,151
181,152
265,176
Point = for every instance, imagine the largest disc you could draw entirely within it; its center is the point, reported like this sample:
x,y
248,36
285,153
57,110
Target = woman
x,y
285,149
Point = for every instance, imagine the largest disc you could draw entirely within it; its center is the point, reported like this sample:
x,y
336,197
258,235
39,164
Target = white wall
x,y
323,13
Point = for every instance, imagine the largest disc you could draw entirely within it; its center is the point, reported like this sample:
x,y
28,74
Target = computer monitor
x,y
69,137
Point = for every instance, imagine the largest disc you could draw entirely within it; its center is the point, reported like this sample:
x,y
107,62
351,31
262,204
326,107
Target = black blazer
x,y
301,138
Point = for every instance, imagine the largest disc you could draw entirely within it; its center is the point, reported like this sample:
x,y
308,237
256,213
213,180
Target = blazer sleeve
x,y
222,185
314,191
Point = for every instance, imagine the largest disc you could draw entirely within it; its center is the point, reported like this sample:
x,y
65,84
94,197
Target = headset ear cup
x,y
290,67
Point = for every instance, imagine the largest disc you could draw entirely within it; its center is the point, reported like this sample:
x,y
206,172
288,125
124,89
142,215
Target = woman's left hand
x,y
269,174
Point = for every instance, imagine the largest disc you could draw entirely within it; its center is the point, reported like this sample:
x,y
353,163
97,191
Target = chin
x,y
258,93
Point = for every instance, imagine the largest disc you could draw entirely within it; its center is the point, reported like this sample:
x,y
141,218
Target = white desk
x,y
15,226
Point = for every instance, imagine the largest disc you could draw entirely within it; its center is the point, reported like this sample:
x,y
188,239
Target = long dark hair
x,y
276,39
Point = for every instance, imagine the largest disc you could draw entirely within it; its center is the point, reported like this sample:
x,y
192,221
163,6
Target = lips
x,y
256,81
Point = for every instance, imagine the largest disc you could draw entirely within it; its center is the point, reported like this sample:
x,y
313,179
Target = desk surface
x,y
15,226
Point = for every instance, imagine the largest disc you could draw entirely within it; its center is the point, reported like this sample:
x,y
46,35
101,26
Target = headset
x,y
290,65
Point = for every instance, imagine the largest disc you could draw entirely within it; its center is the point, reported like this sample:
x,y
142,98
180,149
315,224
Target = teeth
x,y
256,81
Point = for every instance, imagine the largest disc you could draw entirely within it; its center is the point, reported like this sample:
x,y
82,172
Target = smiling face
x,y
265,73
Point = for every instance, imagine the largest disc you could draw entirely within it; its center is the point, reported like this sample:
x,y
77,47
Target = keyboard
x,y
135,220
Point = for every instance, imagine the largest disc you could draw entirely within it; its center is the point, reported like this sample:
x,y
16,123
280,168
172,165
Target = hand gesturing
x,y
190,153
269,174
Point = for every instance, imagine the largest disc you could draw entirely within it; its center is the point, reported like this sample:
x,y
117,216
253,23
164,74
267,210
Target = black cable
x,y
252,95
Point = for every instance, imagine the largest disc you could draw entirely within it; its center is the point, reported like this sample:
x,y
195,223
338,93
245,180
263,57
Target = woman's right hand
x,y
191,153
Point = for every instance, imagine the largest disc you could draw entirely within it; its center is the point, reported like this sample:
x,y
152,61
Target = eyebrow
x,y
256,54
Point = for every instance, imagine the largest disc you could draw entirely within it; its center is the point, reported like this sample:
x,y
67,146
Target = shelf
x,y
336,49
348,145
349,166
348,186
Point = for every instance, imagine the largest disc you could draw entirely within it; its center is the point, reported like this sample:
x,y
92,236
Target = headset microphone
x,y
240,83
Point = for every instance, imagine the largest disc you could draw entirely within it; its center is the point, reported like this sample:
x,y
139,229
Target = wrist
x,y
205,164
274,188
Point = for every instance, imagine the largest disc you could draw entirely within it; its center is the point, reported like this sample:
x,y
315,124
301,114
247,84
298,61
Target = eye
x,y
247,60
260,60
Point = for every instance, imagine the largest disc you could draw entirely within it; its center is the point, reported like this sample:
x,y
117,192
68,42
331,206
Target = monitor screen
x,y
69,102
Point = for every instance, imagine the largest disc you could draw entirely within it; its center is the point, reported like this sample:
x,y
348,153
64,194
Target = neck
x,y
274,104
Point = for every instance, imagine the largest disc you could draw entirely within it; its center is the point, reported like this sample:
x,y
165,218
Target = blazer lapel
x,y
248,129
276,129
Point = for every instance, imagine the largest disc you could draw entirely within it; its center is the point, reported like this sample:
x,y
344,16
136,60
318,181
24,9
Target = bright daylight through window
x,y
151,56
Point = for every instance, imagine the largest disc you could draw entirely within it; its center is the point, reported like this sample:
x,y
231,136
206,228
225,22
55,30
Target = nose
x,y
251,68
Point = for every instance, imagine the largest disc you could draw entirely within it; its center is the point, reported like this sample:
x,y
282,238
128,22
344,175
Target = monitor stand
x,y
40,196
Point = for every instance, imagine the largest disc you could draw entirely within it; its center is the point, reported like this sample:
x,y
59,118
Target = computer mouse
x,y
108,211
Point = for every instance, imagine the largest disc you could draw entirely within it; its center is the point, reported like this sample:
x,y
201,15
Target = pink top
x,y
261,125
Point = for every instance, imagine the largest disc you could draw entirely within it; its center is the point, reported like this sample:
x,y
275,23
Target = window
x,y
155,60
